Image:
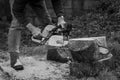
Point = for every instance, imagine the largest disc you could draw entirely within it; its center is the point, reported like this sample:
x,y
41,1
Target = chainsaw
x,y
57,32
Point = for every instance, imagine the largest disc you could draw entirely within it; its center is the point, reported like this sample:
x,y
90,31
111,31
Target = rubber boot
x,y
14,61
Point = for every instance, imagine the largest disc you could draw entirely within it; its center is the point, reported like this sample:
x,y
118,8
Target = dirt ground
x,y
35,69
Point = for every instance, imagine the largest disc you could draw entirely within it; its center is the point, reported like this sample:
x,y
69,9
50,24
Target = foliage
x,y
96,24
108,6
102,21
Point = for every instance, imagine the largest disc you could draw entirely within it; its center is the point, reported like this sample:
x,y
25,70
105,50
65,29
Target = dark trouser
x,y
14,35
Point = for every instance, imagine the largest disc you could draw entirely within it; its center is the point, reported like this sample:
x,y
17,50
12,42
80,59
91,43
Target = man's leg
x,y
39,7
14,37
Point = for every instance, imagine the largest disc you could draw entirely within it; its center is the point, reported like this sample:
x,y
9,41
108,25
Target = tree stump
x,y
87,53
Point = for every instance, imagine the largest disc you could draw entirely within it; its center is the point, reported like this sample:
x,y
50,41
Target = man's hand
x,y
66,27
61,22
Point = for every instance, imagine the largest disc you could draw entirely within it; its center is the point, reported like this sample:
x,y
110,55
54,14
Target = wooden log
x,y
56,55
87,53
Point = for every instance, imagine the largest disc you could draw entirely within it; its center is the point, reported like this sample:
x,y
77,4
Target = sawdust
x,y
36,69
